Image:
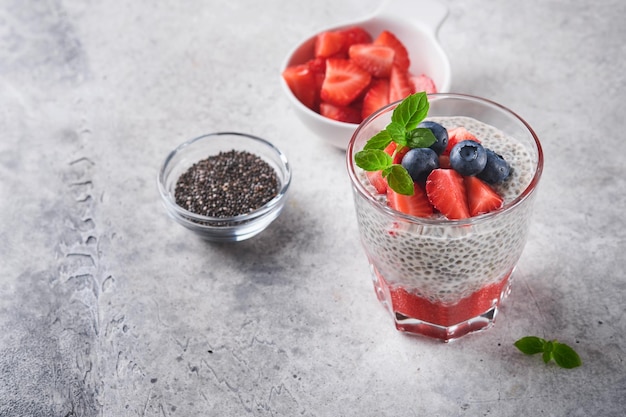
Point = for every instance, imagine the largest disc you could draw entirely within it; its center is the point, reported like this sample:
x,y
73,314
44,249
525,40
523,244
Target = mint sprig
x,y
562,354
404,132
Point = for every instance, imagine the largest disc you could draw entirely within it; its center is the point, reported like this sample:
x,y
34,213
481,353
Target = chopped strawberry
x,y
377,180
391,148
317,64
318,67
446,192
401,57
444,161
423,83
400,84
301,80
377,96
345,114
416,205
344,82
456,135
342,66
396,155
375,59
329,44
480,196
461,133
354,35
335,43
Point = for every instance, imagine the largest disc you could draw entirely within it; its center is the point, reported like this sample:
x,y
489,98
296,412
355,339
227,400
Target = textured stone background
x,y
108,308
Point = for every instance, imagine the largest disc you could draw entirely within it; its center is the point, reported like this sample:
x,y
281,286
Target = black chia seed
x,y
227,184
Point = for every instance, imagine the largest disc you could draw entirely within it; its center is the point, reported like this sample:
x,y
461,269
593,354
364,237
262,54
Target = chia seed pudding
x,y
445,261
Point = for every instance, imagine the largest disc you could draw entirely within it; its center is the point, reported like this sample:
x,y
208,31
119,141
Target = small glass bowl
x,y
223,229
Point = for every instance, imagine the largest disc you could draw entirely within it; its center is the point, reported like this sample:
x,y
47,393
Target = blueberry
x,y
468,157
496,170
441,134
419,162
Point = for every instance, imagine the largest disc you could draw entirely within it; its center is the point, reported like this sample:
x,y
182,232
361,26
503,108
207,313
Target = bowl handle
x,y
430,13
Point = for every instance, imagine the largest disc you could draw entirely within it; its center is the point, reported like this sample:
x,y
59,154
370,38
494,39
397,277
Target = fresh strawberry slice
x,y
391,148
423,83
354,35
444,161
396,155
344,82
340,113
401,57
317,65
446,192
481,197
328,44
377,96
301,80
461,133
416,205
377,180
456,135
375,59
400,84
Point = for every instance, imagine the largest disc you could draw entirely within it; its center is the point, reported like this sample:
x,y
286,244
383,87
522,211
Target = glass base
x,y
420,316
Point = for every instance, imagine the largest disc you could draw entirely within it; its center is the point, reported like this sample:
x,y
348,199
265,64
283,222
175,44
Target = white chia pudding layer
x,y
445,261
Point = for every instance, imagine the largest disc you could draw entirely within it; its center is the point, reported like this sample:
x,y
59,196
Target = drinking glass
x,y
446,278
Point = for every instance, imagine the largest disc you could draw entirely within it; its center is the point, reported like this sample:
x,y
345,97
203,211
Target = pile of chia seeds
x,y
227,184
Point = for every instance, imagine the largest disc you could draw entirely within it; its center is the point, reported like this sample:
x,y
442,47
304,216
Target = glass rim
x,y
525,194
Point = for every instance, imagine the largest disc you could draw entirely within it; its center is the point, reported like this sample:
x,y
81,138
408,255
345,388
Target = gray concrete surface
x,y
108,308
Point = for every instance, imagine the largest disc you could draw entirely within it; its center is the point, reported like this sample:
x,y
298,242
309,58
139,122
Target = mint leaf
x,y
379,140
397,133
399,179
562,354
411,111
402,130
372,159
565,356
420,138
530,345
547,353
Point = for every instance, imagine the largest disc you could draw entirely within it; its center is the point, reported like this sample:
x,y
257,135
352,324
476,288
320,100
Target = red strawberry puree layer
x,y
444,321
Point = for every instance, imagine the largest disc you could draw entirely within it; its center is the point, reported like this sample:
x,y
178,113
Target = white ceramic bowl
x,y
415,23
223,229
